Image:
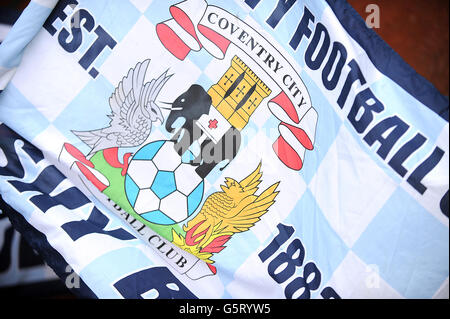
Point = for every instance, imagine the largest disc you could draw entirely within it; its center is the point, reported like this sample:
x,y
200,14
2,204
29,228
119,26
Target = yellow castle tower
x,y
238,93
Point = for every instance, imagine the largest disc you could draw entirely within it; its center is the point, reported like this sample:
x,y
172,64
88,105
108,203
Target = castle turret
x,y
234,98
238,93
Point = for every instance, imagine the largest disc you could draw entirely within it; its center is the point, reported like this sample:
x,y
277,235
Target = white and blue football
x,y
161,188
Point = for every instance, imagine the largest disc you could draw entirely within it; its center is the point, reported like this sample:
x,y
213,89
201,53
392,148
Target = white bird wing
x,y
150,93
125,100
131,94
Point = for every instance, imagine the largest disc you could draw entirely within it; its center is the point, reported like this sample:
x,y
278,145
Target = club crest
x,y
160,183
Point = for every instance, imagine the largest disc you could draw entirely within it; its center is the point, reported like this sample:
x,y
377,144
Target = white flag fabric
x,y
222,149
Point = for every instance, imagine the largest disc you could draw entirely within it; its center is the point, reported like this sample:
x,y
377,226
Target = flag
x,y
211,149
22,271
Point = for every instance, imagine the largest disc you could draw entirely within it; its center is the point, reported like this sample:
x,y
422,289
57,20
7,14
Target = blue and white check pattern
x,y
380,240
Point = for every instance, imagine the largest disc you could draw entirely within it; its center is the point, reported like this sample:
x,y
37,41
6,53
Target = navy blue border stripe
x,y
38,242
387,61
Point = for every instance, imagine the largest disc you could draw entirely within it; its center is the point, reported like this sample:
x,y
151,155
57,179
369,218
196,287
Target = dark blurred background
x,y
416,29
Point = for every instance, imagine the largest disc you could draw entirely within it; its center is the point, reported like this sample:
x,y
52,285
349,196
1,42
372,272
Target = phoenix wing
x,y
250,213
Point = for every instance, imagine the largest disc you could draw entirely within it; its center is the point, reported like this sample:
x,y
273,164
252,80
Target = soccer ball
x,y
159,187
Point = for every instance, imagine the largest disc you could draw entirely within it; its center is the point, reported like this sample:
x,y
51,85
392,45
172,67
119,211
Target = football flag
x,y
222,149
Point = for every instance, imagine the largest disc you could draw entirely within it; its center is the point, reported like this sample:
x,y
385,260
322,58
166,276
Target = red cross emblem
x,y
213,123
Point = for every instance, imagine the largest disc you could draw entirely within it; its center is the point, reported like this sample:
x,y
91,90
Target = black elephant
x,y
191,105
